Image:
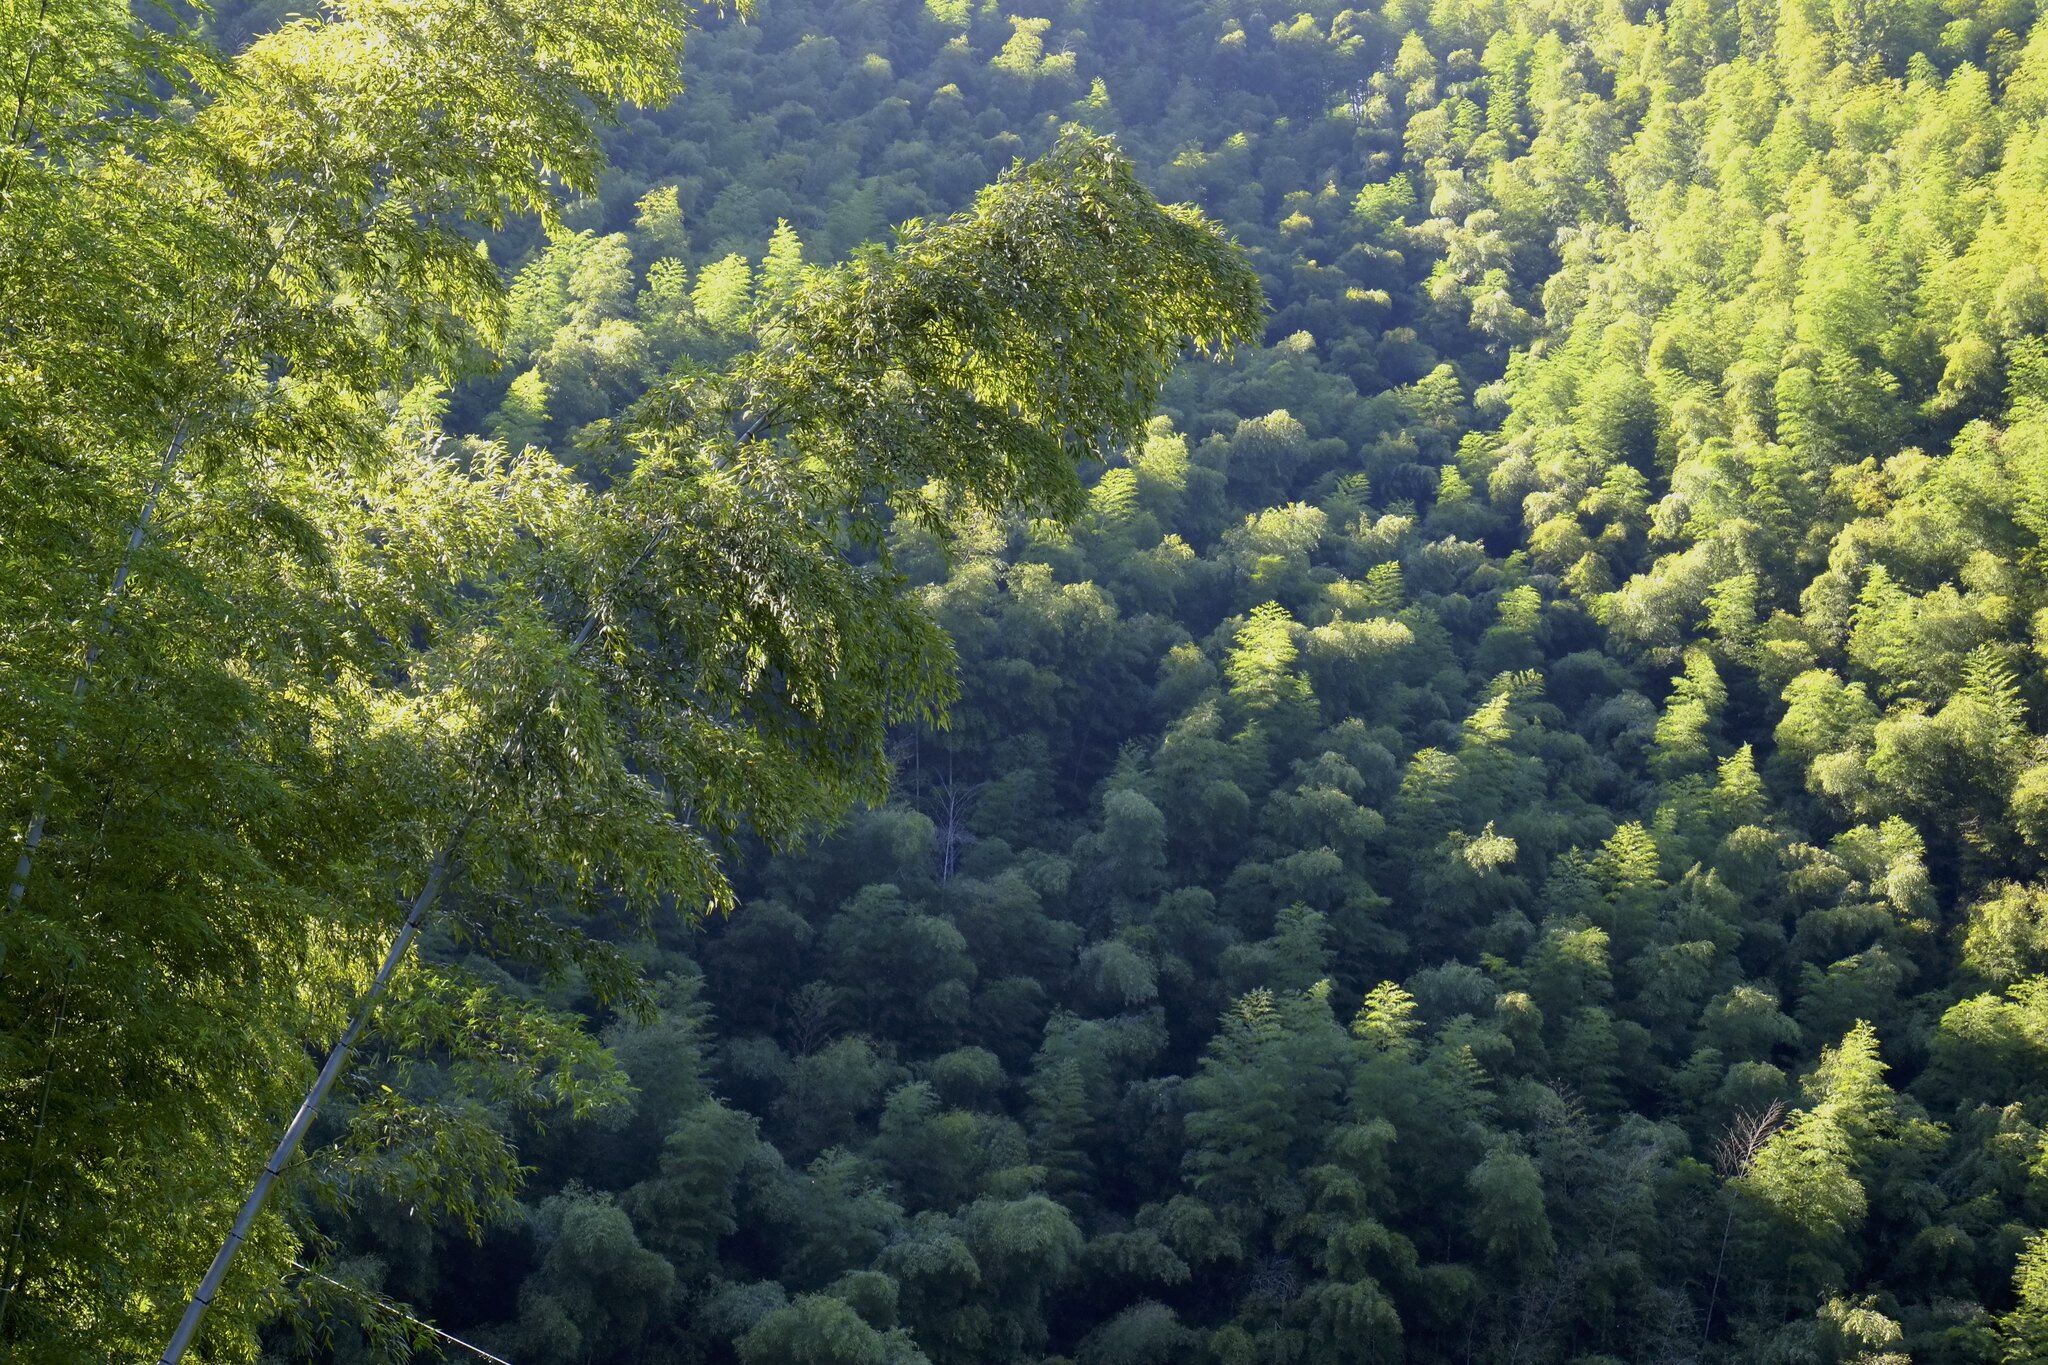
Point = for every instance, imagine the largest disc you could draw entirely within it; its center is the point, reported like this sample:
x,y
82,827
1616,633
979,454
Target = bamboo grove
x,y
1502,822
283,653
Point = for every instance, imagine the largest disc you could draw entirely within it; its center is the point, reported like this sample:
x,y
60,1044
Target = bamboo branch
x,y
167,465
1735,1151
295,1132
173,453
21,105
385,1306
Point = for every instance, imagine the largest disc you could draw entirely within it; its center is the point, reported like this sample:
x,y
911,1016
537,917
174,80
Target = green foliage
x,y
1592,647
1811,1174
2024,1331
723,297
351,656
1386,1018
820,1330
1509,1220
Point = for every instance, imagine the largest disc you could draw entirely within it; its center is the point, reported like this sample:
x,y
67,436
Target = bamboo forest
x,y
1024,682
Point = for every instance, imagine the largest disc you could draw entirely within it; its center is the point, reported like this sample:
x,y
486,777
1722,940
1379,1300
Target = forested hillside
x,y
1510,824
1510,829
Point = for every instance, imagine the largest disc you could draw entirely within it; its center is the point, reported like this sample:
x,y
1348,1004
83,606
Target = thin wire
x,y
395,1311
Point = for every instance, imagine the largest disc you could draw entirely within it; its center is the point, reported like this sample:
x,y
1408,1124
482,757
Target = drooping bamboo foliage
x,y
744,663
1599,637
271,638
214,272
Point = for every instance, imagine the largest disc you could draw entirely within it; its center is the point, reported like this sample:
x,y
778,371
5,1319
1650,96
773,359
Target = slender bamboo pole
x,y
21,106
295,1131
174,451
138,534
17,889
1720,1264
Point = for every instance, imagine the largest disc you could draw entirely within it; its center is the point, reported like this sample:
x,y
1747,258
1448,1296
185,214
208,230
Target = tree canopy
x,y
1503,822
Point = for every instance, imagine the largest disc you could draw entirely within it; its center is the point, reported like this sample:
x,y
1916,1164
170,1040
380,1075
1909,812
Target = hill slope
x,y
1511,831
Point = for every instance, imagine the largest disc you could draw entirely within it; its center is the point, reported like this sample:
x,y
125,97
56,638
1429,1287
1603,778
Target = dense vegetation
x,y
1509,824
281,657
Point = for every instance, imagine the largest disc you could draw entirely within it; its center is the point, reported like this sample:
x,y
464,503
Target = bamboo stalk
x,y
137,534
21,89
295,1131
